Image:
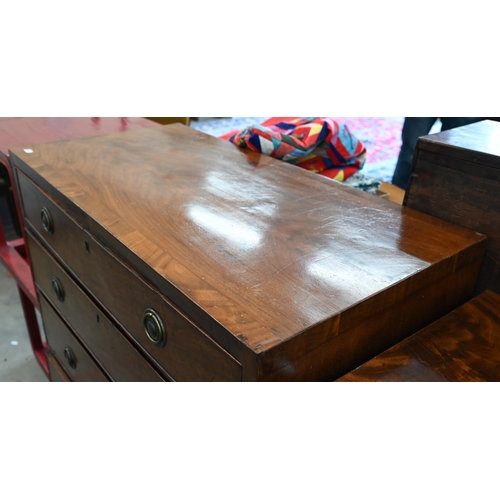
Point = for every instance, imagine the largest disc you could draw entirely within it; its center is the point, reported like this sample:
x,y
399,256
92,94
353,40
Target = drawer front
x,y
56,372
187,355
117,355
51,222
66,349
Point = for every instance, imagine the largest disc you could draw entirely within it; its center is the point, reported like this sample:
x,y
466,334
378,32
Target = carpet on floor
x,y
381,137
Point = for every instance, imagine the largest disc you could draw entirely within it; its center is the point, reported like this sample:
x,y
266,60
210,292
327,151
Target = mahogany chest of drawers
x,y
167,254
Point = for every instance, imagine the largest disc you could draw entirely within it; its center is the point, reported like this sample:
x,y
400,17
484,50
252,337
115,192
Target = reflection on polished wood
x,y
462,346
297,277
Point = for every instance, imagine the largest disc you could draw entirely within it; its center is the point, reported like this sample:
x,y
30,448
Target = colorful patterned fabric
x,y
321,145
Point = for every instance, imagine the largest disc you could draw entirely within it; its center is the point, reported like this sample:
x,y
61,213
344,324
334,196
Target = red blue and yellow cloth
x,y
321,145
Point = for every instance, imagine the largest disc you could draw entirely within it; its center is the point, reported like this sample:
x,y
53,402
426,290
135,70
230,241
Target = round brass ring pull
x,y
47,223
70,357
153,326
58,289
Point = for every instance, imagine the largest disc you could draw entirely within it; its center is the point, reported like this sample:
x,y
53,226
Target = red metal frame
x,y
14,256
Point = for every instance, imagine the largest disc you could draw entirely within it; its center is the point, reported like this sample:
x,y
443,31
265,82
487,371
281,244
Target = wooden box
x,y
456,177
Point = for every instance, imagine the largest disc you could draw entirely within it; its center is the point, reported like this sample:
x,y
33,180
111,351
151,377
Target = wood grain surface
x,y
462,346
119,359
396,194
478,142
190,354
59,338
270,260
456,177
56,372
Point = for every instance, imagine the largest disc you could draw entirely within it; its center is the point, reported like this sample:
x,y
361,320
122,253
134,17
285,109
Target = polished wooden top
x,y
265,248
462,346
482,138
16,132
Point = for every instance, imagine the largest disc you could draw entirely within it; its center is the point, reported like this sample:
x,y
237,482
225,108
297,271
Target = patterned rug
x,y
381,137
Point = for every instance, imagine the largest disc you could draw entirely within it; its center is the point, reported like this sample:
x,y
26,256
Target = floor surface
x,y
17,361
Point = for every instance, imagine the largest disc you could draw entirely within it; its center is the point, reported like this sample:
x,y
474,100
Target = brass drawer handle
x,y
47,222
70,357
58,289
153,326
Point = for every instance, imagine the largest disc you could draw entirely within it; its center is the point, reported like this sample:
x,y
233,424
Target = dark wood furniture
x,y
16,132
456,177
166,253
56,372
463,346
